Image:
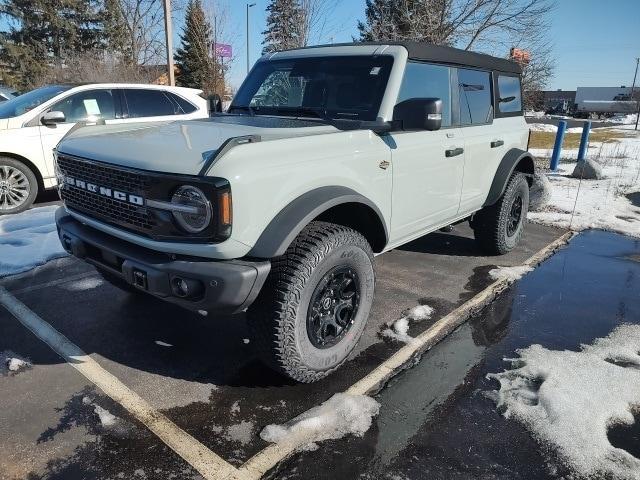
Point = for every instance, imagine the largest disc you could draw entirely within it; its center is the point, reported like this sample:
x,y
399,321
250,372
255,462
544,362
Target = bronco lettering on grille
x,y
104,191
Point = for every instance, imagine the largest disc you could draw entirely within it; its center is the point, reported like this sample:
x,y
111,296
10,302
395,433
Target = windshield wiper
x,y
245,108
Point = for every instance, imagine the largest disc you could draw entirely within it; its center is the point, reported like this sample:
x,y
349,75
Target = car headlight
x,y
192,209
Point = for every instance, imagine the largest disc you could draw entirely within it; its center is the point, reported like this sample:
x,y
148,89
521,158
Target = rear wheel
x,y
18,186
315,303
499,227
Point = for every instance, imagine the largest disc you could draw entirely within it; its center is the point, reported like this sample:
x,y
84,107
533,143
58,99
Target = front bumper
x,y
227,286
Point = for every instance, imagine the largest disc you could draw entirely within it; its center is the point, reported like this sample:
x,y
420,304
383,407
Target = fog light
x,y
186,287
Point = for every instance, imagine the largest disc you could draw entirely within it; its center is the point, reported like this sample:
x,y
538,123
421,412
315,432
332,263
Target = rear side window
x,y
149,103
183,105
509,94
474,87
422,80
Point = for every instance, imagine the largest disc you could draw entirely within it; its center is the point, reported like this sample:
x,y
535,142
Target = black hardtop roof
x,y
441,54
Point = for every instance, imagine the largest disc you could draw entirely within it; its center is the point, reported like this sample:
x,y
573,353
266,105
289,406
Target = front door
x,y
89,106
427,165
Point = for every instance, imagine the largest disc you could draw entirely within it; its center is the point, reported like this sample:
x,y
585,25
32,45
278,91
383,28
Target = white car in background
x,y
31,125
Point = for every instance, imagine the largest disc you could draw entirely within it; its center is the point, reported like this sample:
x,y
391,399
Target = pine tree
x,y
419,20
115,32
196,67
42,30
285,24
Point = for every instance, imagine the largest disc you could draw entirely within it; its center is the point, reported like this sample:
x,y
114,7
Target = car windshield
x,y
30,100
324,87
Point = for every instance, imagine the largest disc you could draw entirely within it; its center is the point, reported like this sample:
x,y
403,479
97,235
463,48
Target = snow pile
x,y
510,274
568,400
542,127
12,362
163,344
240,432
579,204
629,119
28,239
107,419
341,415
399,329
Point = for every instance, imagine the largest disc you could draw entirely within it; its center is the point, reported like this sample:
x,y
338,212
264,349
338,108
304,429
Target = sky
x,y
595,41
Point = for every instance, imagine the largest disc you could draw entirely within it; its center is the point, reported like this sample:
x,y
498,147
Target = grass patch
x,y
572,140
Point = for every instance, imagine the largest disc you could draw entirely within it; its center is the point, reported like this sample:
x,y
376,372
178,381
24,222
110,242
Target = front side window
x,y
149,103
88,106
474,87
422,80
349,87
509,94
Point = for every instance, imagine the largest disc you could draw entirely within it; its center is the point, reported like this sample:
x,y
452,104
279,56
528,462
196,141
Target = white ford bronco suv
x,y
328,155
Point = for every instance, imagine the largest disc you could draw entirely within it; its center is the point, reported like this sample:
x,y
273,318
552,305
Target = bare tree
x,y
218,15
318,20
490,26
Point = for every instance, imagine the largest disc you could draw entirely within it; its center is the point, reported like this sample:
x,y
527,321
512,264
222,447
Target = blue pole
x,y
557,147
584,141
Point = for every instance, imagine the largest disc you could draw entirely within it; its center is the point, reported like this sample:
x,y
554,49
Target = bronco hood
x,y
180,146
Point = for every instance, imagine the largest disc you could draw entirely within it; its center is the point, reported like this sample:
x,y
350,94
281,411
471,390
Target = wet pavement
x,y
435,420
200,372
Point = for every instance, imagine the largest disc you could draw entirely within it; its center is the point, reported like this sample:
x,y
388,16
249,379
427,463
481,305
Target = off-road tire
x,y
119,282
490,225
10,163
278,318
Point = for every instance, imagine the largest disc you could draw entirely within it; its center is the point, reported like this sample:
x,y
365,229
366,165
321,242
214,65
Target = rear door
x,y
427,165
483,144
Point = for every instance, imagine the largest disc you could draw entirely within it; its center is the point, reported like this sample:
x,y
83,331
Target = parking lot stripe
x,y
206,462
270,456
53,283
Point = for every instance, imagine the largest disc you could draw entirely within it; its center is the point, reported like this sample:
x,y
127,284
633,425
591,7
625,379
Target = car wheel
x,y
498,227
18,186
315,303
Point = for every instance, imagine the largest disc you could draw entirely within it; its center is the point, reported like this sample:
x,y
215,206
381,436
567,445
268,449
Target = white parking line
x,y
269,457
207,463
53,283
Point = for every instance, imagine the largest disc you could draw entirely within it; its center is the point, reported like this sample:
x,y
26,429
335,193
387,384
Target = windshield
x,y
30,100
335,87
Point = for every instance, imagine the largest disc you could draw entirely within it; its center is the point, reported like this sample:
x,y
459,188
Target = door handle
x,y
497,143
453,152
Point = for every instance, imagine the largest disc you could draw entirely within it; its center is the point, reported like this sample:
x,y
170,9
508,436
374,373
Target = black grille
x,y
114,211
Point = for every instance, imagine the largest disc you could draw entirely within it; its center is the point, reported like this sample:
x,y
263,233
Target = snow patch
x,y
341,415
107,419
569,400
12,362
84,284
163,344
398,330
28,239
580,204
235,408
240,432
511,274
542,127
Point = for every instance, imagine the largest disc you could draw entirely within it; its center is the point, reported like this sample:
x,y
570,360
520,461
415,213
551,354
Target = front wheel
x,y
18,186
315,303
498,227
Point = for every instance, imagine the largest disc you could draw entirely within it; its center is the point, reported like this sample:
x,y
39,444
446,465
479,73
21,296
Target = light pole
x,y
169,40
249,5
633,86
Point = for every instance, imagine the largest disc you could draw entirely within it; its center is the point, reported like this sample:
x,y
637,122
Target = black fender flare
x,y
290,221
508,164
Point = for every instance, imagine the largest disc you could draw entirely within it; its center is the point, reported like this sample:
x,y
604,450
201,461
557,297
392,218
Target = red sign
x,y
521,56
222,50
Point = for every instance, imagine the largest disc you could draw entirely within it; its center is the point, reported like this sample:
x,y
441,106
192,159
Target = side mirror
x,y
52,118
419,114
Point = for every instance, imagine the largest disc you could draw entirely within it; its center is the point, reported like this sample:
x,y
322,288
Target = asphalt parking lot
x,y
198,372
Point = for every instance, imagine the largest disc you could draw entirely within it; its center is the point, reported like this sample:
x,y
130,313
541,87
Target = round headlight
x,y
193,209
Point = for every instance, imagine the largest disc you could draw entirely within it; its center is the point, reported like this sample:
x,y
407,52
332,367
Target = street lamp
x,y
249,5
